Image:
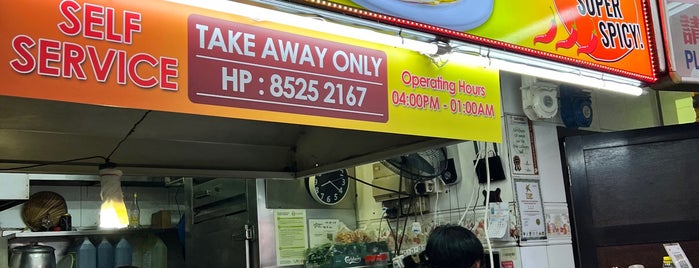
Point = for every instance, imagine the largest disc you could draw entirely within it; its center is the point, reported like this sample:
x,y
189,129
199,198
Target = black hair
x,y
452,246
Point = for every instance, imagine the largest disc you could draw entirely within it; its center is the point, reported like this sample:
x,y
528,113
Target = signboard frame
x,y
629,70
121,54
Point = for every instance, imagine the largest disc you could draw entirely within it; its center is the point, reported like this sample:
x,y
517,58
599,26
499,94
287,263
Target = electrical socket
x,y
429,187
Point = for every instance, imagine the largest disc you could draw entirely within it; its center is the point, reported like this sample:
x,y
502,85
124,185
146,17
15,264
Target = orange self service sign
x,y
164,56
607,35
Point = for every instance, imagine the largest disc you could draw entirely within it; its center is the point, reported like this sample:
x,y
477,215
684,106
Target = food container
x,y
35,256
161,219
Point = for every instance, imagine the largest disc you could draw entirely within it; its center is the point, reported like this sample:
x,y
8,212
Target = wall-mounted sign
x,y
291,238
610,35
531,210
520,135
164,56
557,223
322,231
682,31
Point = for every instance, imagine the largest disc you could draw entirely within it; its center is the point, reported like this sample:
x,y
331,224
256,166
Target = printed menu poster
x,y
322,231
531,210
290,233
521,145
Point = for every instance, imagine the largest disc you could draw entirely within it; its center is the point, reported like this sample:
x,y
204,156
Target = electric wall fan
x,y
419,166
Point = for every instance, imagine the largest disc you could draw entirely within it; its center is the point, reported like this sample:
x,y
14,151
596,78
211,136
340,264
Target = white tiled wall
x,y
84,202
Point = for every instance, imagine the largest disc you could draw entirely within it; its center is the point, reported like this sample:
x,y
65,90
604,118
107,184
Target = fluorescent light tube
x,y
566,77
312,23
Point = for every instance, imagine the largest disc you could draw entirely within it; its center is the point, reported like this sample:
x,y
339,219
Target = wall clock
x,y
328,188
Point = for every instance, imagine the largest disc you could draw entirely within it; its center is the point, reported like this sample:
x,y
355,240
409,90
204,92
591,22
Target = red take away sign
x,y
240,65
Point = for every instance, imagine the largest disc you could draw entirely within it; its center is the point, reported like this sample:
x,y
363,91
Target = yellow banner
x,y
607,35
164,56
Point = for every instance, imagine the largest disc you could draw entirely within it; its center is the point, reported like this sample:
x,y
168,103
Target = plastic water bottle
x,y
105,254
122,253
87,255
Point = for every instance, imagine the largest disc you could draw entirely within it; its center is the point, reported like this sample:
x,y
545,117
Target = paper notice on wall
x,y
520,135
322,231
531,210
291,236
498,220
674,250
557,222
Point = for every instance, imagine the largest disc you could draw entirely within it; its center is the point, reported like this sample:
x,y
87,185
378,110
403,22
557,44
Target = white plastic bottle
x,y
87,255
159,254
137,248
122,253
105,254
154,253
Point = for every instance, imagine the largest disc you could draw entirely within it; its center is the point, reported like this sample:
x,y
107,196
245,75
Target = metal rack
x,y
61,240
31,237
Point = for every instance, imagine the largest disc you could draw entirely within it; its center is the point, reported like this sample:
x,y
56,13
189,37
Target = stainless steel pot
x,y
35,256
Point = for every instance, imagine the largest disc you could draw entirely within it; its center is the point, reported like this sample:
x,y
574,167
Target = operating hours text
x,y
422,101
471,108
415,100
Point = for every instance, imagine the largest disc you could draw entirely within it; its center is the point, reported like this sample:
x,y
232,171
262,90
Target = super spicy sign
x,y
605,30
239,65
69,60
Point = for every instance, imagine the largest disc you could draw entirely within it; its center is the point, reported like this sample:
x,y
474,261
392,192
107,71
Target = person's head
x,y
453,246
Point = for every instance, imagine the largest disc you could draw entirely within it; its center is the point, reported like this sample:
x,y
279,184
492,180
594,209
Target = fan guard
x,y
419,166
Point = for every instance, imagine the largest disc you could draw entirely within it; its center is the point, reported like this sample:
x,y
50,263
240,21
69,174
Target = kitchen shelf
x,y
28,237
62,241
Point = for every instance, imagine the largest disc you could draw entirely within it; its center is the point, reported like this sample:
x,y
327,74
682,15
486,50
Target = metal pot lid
x,y
34,249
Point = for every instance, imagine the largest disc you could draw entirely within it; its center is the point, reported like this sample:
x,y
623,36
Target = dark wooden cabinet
x,y
630,191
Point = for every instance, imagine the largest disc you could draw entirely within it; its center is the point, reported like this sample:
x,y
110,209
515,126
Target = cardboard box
x,y
161,219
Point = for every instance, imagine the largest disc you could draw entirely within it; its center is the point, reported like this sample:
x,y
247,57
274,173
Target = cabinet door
x,y
219,242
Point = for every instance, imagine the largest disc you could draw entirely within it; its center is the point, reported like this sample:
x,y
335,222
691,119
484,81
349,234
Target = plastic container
x,y
87,255
159,254
122,253
155,253
667,262
137,248
105,254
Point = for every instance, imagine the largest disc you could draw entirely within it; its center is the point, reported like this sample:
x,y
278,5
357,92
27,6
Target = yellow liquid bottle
x,y
135,213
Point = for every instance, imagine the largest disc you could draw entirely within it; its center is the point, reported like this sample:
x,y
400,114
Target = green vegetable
x,y
319,255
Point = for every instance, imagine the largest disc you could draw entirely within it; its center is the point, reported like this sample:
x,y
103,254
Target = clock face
x,y
329,188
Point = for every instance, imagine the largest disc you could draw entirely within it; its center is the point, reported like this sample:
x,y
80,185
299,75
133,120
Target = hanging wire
x,y
375,186
177,201
390,229
106,159
400,213
131,131
405,222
